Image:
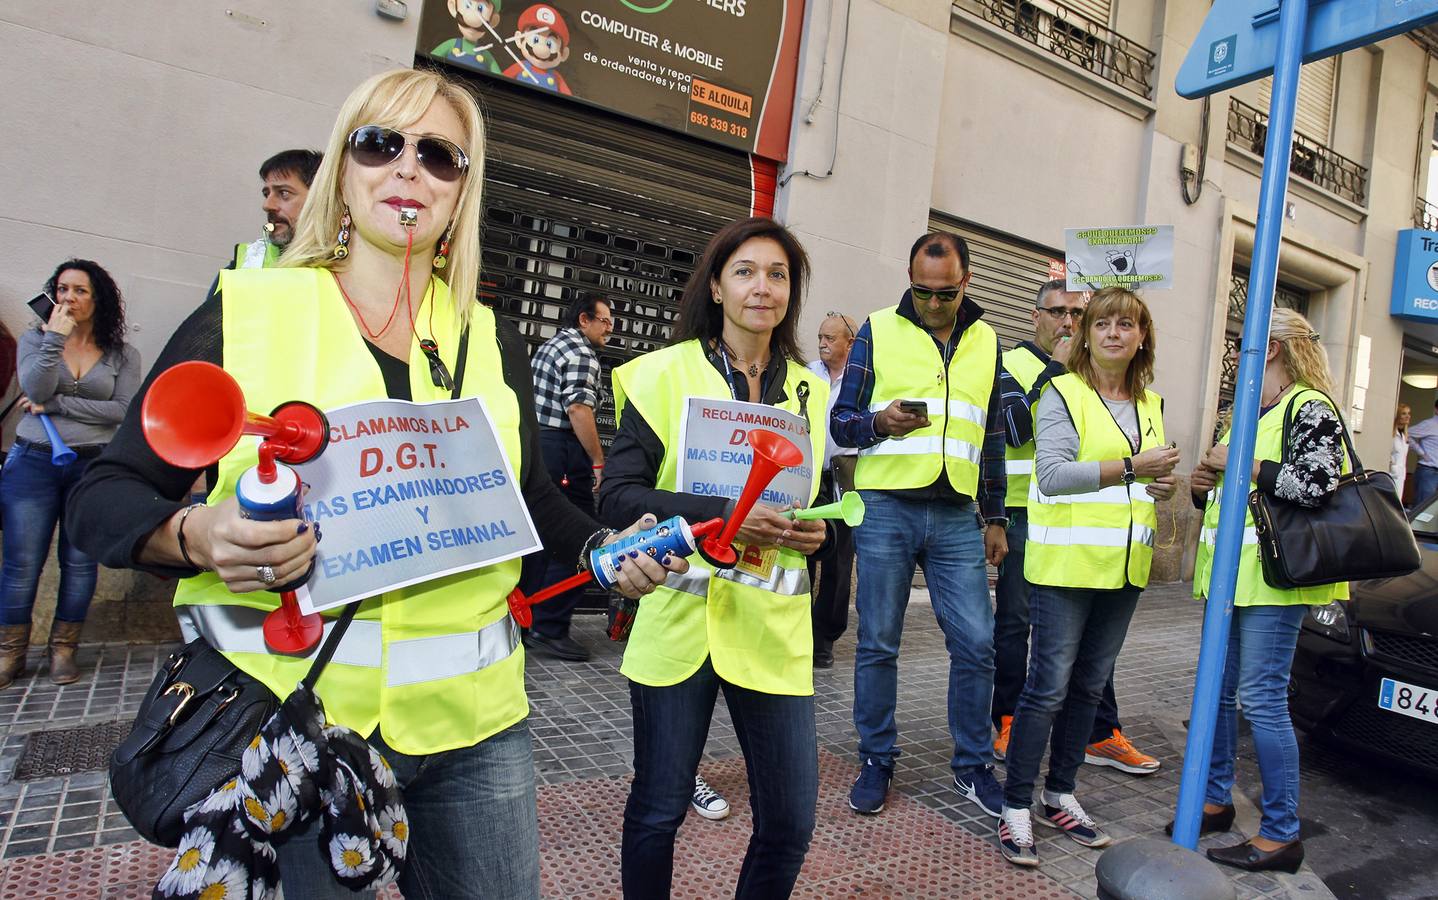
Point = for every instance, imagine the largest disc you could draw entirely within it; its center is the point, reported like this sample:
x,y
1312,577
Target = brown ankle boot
x,y
64,641
14,641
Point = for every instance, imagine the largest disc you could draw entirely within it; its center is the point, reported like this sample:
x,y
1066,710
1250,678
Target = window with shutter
x,y
1098,10
1317,83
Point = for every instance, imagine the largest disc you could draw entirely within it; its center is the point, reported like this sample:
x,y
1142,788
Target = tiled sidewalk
x,y
62,837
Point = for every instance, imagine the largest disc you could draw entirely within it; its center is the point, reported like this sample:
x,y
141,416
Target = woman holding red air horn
x,y
373,300
683,412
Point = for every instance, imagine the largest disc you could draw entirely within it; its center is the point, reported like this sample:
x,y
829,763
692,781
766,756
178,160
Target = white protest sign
x,y
408,492
717,456
1137,256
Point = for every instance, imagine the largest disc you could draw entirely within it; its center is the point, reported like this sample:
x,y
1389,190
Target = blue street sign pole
x,y
1218,614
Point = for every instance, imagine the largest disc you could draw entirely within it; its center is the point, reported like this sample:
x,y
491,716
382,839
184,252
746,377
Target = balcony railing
x,y
1425,215
1072,36
1312,161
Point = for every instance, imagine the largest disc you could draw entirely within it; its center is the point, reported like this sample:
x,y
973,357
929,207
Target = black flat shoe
x,y
1246,856
1212,823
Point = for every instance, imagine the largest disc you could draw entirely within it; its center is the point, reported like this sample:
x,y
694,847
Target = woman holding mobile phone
x,y
76,369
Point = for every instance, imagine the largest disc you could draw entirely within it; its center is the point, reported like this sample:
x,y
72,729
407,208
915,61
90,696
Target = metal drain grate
x,y
66,751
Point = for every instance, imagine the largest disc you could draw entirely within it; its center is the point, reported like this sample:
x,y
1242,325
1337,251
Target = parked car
x,y
1366,671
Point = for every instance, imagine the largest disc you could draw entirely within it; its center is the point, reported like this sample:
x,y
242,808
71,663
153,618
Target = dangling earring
x,y
342,244
441,256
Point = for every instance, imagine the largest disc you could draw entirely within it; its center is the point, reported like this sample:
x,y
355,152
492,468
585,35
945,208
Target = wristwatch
x,y
1128,476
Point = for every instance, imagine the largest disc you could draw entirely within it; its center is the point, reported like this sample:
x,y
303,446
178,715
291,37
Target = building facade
x,y
141,129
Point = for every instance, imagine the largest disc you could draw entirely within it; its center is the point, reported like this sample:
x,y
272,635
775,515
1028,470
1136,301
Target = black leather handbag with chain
x,y
195,722
1360,532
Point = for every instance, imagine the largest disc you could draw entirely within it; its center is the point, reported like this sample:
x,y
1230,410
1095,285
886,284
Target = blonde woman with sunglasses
x,y
373,300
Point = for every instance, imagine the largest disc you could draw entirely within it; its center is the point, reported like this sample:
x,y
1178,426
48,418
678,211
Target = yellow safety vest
x,y
1025,368
1101,539
265,255
1252,589
908,365
756,630
436,666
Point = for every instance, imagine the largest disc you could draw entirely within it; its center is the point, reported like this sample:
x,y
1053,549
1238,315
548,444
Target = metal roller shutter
x,y
1098,10
578,200
1317,82
1007,275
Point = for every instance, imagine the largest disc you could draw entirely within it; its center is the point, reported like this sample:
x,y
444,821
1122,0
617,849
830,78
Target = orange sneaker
x,y
1001,740
1116,751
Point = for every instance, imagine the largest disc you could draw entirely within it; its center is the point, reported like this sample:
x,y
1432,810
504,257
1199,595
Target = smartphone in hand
x,y
914,407
42,305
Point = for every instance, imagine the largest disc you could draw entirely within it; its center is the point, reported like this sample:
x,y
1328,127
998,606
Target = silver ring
x,y
266,573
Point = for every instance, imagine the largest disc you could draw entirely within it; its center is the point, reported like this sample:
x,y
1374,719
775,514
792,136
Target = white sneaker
x,y
1062,811
1016,837
707,802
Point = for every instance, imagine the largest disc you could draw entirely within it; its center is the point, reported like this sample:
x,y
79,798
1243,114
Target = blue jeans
x,y
474,826
1011,636
1077,634
33,496
946,542
1255,674
780,747
1425,483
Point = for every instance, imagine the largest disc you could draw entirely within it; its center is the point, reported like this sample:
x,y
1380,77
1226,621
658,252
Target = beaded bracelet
x,y
595,541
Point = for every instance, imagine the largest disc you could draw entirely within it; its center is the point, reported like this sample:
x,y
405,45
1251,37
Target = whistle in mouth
x,y
408,216
269,228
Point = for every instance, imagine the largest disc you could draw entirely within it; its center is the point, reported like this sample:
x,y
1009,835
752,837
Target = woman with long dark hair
x,y
77,370
744,630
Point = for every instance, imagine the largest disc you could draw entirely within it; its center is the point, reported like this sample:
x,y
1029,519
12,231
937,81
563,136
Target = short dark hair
x,y
583,305
304,163
939,244
1048,287
109,305
700,318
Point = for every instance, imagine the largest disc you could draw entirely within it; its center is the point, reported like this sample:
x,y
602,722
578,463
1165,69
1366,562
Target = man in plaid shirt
x,y
567,391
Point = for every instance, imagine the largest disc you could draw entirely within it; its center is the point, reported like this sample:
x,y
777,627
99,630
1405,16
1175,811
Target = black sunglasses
x,y
947,295
374,146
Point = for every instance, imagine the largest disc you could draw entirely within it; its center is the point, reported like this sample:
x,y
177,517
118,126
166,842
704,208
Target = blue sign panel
x,y
1415,276
1239,38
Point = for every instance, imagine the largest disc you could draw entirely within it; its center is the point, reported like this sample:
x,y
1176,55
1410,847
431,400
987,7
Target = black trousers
x,y
835,575
569,467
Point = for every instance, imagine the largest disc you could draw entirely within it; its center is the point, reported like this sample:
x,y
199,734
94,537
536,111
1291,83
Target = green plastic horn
x,y
850,509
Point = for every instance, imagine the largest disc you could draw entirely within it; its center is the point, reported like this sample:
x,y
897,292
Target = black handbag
x,y
1361,531
195,722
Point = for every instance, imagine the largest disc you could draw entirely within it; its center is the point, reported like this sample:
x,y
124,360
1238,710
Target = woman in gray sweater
x,y
76,371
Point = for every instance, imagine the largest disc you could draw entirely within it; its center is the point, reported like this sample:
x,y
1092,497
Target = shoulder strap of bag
x,y
460,362
1354,461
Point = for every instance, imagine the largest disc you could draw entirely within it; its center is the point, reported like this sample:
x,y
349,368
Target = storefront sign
x,y
717,457
407,492
720,70
1415,276
1137,256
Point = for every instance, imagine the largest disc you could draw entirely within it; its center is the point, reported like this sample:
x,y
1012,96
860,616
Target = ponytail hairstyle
x,y
1303,358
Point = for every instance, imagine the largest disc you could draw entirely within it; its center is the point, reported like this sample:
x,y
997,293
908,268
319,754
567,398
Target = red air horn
x,y
194,413
772,452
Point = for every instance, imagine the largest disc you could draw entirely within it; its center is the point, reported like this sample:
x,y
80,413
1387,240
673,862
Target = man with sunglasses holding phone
x,y
568,388
920,400
1027,369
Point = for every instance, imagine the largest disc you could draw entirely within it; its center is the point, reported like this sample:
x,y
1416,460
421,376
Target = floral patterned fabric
x,y
294,769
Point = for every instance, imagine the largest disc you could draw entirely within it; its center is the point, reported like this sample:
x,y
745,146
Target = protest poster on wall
x,y
1133,257
407,492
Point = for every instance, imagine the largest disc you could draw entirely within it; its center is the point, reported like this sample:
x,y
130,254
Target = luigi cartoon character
x,y
543,43
477,20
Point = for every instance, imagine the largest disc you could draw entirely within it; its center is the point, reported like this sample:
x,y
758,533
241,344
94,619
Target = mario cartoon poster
x,y
542,39
476,47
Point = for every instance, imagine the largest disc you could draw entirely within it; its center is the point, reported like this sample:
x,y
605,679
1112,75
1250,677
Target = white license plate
x,y
1409,700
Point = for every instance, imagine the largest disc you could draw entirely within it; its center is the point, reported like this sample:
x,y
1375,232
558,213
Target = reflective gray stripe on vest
x,y
451,655
1209,536
1019,466
786,582
928,445
239,629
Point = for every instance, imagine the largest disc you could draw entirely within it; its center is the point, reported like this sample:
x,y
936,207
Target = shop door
x,y
578,200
